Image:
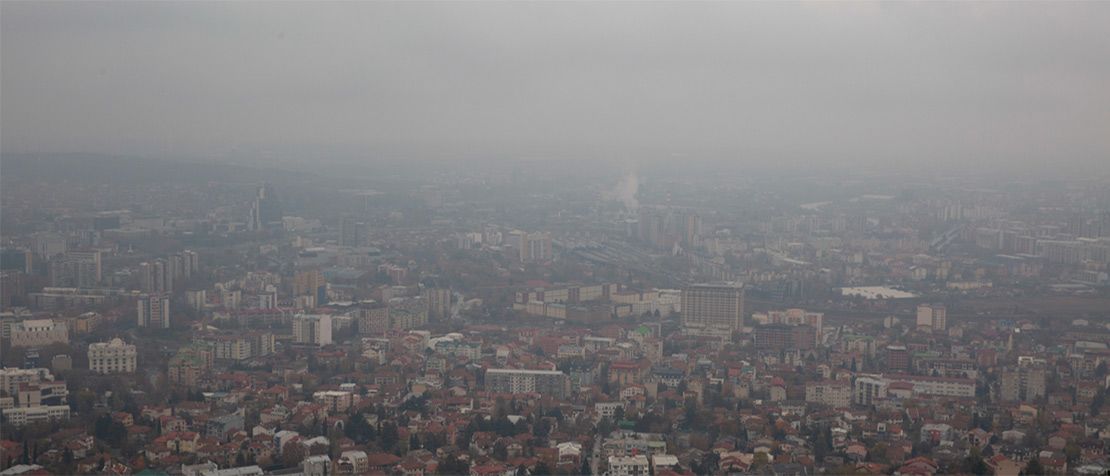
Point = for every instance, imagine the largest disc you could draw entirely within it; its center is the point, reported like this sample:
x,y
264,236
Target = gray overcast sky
x,y
829,83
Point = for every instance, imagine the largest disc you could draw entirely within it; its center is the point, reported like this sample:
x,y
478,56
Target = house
x,y
1000,465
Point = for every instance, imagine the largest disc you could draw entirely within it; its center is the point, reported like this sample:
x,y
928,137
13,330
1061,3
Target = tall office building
x,y
13,288
265,211
154,311
92,261
353,232
713,305
897,358
312,329
17,260
75,269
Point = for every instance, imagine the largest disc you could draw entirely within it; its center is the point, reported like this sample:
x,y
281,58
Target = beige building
x,y
12,378
834,393
932,318
716,305
115,356
38,332
1024,383
335,401
21,416
637,465
312,329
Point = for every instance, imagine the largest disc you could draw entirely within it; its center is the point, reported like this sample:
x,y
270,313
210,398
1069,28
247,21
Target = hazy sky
x,y
830,83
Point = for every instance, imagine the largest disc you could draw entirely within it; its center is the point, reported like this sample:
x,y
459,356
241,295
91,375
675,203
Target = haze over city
x,y
554,238
881,84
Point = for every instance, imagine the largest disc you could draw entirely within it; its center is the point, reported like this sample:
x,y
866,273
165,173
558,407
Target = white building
x,y
937,386
319,465
629,466
868,390
115,356
607,409
253,470
20,416
353,462
38,332
548,382
312,329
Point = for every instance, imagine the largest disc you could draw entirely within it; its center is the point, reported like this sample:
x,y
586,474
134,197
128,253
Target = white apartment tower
x,y
312,329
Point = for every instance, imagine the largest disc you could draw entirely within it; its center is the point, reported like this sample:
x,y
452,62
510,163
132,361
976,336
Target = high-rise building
x,y
197,299
111,357
868,390
1024,383
691,229
312,329
932,318
146,277
192,262
13,288
17,260
897,357
534,247
311,282
784,337
373,320
75,269
546,382
49,245
265,211
155,276
793,317
716,305
408,313
154,311
439,303
353,232
175,267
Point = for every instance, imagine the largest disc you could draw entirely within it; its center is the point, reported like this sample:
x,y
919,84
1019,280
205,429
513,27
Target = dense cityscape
x,y
486,238
523,322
